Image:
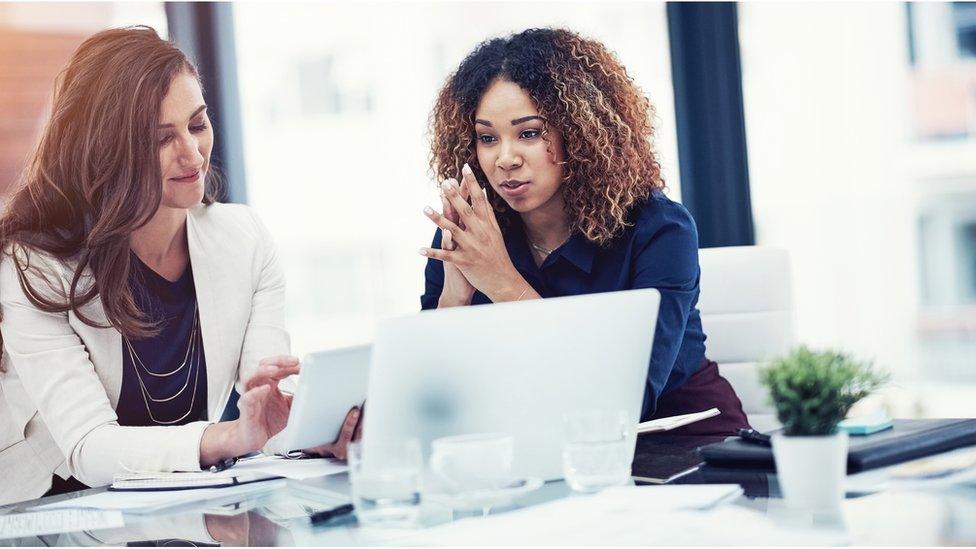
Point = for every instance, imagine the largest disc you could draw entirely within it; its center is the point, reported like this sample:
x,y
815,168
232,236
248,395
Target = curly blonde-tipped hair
x,y
583,92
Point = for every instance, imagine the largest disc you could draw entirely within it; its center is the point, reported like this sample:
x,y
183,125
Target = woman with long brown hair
x,y
132,301
561,194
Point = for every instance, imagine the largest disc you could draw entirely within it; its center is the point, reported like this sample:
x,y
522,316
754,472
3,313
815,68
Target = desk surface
x,y
872,513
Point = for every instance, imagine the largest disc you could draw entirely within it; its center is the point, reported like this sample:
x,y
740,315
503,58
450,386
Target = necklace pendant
x,y
540,249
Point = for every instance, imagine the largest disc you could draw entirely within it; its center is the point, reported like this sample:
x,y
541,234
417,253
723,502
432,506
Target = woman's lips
x,y
513,188
188,178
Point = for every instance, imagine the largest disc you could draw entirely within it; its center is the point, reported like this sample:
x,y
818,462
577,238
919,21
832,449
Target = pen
x,y
329,514
753,437
223,465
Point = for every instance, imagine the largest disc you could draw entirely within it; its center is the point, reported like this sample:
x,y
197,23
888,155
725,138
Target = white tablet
x,y
330,383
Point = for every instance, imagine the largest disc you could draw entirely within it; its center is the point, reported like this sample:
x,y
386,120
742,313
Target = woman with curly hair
x,y
561,194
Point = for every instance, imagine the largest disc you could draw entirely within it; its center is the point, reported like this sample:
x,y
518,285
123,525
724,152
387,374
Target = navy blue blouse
x,y
164,377
660,250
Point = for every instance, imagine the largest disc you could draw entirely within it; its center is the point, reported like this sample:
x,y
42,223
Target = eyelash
x,y
486,139
193,129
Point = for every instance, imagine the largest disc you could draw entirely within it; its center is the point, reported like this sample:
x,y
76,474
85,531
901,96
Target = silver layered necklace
x,y
546,252
192,360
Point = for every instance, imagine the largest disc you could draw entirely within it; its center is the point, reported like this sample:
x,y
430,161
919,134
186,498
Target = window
x,y
943,79
948,248
964,15
36,41
335,135
863,166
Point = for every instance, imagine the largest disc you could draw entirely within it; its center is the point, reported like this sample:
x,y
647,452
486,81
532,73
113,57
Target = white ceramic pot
x,y
811,470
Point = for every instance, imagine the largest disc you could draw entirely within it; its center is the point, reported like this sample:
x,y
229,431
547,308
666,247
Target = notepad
x,y
668,423
246,471
185,480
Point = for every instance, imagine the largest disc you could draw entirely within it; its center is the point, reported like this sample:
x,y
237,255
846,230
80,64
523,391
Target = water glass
x,y
385,477
598,450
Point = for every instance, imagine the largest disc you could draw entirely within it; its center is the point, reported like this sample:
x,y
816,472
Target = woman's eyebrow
x,y
518,121
196,112
515,122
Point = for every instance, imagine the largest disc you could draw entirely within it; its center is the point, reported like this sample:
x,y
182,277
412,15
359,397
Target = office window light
x,y
863,165
36,40
336,141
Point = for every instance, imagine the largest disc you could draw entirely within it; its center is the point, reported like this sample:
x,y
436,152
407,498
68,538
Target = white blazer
x,y
63,377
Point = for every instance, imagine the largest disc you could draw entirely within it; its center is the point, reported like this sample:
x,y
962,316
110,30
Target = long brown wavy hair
x,y
95,177
583,92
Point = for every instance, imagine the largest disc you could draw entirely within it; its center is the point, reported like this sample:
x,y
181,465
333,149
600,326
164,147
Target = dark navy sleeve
x,y
666,259
433,278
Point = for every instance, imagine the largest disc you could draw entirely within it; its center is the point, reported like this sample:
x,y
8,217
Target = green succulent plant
x,y
812,391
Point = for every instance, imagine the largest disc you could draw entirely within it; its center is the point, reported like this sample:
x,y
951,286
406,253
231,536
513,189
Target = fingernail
x,y
355,414
446,185
428,210
466,169
422,251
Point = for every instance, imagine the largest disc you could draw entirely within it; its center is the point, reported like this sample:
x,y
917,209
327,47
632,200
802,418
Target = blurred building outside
x,y
863,164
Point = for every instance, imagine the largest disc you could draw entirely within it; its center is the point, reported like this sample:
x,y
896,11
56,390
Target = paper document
x,y
19,525
646,515
298,469
670,497
937,466
941,470
148,502
673,422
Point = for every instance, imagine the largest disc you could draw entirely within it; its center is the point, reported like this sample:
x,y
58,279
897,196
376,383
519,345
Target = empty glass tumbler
x,y
385,478
598,450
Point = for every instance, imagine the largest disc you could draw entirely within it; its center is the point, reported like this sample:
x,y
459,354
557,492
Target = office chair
x,y
746,306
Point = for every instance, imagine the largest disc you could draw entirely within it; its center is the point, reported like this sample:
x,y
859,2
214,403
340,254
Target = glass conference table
x,y
872,514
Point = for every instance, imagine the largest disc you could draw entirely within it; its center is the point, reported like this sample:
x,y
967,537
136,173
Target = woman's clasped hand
x,y
472,247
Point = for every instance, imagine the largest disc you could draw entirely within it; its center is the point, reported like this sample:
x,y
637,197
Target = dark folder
x,y
908,439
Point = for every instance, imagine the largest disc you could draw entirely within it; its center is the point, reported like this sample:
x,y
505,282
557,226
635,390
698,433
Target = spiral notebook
x,y
194,480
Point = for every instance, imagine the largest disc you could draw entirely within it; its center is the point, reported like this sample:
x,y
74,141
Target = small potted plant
x,y
812,392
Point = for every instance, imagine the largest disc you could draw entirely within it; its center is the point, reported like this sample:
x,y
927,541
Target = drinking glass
x,y
598,450
385,477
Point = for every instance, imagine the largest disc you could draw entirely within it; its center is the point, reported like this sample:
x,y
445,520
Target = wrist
x,y
447,300
244,439
515,290
223,440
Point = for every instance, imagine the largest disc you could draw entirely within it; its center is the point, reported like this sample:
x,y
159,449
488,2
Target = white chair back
x,y
746,305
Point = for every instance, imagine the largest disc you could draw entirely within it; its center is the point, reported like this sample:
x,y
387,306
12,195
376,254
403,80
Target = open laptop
x,y
513,367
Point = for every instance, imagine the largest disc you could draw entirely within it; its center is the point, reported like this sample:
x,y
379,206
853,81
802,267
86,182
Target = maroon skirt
x,y
705,389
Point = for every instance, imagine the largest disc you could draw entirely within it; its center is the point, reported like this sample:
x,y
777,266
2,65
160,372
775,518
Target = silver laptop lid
x,y
511,367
